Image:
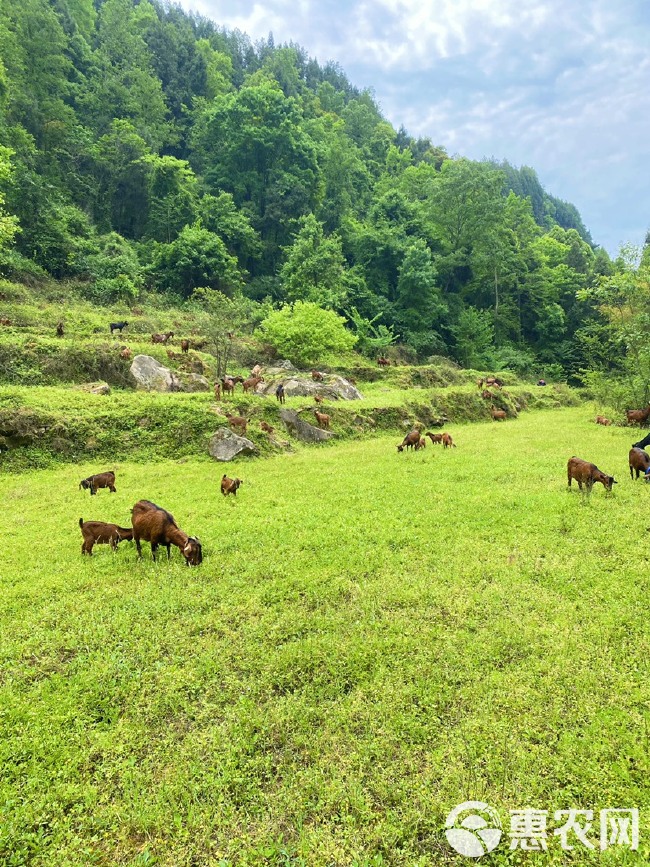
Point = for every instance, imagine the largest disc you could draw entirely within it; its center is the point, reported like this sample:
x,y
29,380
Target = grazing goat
x,y
279,393
125,353
492,380
422,444
637,416
237,421
317,376
600,419
487,395
498,414
162,338
322,419
265,426
318,398
252,383
410,440
447,441
382,361
99,480
99,533
155,525
435,438
588,474
217,391
4,320
639,461
185,345
229,486
117,326
59,330
541,382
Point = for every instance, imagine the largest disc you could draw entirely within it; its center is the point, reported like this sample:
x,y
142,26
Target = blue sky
x,y
562,86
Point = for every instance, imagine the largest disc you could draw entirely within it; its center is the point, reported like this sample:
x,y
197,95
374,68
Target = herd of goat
x,y
153,524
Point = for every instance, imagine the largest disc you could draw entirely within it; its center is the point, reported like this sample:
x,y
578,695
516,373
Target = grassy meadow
x,y
372,638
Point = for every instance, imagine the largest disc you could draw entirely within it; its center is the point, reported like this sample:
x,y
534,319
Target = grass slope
x,y
372,639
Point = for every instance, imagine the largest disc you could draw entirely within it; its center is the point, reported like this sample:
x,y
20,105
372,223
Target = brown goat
x,y
435,438
60,330
447,441
217,391
185,345
600,419
100,480
228,385
410,440
487,395
237,421
99,533
266,427
252,383
639,461
279,393
317,376
322,419
155,525
162,338
492,380
125,353
498,414
318,398
4,320
422,444
588,474
382,361
637,416
229,486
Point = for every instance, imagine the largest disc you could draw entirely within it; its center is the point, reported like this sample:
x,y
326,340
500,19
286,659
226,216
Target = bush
x,y
304,332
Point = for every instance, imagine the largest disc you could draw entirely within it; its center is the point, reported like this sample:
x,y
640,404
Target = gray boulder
x,y
151,375
226,445
301,429
332,388
279,368
194,382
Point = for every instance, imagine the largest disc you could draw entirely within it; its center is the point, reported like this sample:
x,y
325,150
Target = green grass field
x,y
372,638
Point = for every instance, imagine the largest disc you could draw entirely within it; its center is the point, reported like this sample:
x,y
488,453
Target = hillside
x,y
143,149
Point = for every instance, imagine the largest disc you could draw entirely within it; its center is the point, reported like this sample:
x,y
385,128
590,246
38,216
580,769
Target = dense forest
x,y
143,148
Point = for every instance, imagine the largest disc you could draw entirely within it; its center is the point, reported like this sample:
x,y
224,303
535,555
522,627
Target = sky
x,y
562,86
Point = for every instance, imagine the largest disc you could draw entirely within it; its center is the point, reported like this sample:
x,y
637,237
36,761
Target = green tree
x,y
305,332
196,258
173,196
315,267
8,222
474,333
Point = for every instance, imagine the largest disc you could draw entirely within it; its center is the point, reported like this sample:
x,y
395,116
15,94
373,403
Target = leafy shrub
x,y
304,332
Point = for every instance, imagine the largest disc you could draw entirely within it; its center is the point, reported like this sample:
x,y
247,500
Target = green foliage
x,y
371,338
623,300
315,267
474,336
114,268
235,165
305,332
196,258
